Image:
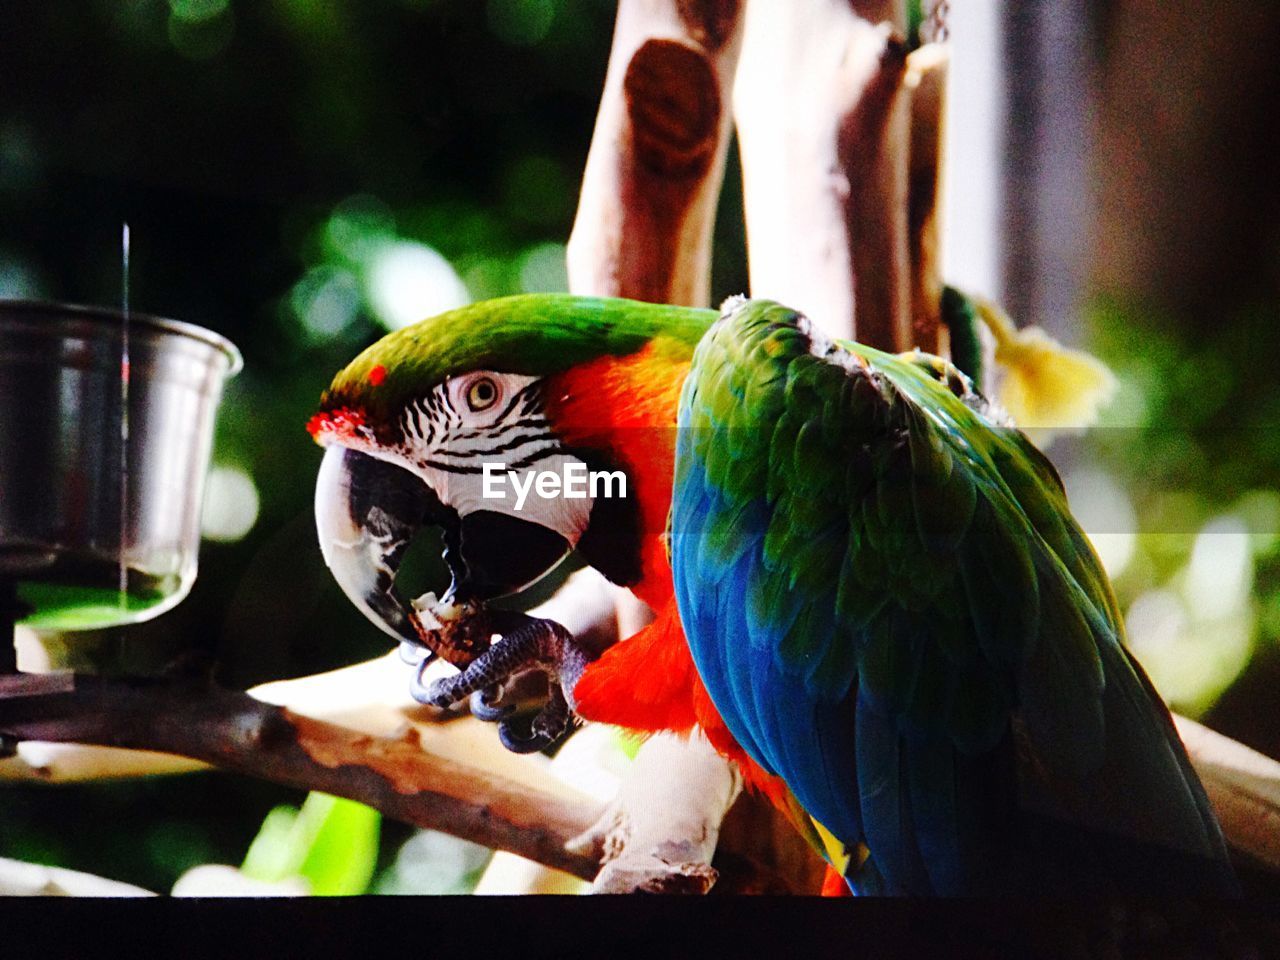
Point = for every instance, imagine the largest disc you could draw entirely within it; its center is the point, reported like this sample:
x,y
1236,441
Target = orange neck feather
x,y
627,406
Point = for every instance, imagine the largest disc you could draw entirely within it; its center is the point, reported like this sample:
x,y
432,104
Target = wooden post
x,y
926,84
643,231
822,123
653,174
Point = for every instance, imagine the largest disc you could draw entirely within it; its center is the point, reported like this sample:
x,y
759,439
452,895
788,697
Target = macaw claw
x,y
542,645
547,726
415,654
488,704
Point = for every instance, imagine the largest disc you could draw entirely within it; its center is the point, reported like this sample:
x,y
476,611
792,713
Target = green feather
x,y
534,334
931,527
914,566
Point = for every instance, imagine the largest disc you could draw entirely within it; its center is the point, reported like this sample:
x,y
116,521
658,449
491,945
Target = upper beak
x,y
367,511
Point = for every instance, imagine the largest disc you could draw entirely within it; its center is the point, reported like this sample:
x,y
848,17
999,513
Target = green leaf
x,y
331,842
272,855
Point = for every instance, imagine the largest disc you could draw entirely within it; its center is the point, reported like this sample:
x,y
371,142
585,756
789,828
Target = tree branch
x,y
658,840
404,761
643,230
926,81
18,879
235,732
361,698
36,762
1244,788
410,762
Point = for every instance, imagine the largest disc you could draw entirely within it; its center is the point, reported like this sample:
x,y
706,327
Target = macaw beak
x,y
367,513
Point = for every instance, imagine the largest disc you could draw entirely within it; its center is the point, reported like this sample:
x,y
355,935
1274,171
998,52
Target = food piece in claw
x,y
460,633
533,644
456,632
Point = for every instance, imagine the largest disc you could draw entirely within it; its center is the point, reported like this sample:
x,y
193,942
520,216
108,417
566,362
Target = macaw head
x,y
453,422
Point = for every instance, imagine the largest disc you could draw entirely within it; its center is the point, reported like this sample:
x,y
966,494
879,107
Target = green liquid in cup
x,y
78,593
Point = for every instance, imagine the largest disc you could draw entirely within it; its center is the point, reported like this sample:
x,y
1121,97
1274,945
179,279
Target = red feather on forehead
x,y
345,423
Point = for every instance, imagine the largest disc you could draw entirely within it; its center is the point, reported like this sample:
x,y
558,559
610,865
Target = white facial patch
x,y
549,493
482,441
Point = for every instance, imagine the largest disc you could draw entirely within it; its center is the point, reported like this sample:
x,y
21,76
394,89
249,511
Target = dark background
x,y
259,150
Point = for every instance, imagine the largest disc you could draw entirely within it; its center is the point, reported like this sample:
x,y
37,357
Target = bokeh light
x,y
430,862
18,280
1220,572
409,281
197,11
230,504
325,301
1195,633
1106,515
542,269
358,226
521,22
200,29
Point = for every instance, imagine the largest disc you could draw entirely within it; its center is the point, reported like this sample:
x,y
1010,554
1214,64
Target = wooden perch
x,y
1244,788
398,757
822,126
37,762
647,207
371,699
653,175
653,839
236,732
393,755
18,879
355,732
643,230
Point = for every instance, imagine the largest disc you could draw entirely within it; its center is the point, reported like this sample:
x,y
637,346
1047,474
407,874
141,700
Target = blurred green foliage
x,y
331,842
1191,447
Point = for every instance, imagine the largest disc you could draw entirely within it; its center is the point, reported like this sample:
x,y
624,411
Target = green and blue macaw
x,y
869,589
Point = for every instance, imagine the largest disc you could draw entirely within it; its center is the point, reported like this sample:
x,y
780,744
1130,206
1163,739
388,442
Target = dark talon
x,y
547,726
419,689
413,653
487,705
541,645
520,742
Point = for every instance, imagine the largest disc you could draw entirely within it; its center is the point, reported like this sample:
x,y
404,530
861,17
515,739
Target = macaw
x,y
868,588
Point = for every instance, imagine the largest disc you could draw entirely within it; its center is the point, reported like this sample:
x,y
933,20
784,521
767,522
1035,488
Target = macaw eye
x,y
482,394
